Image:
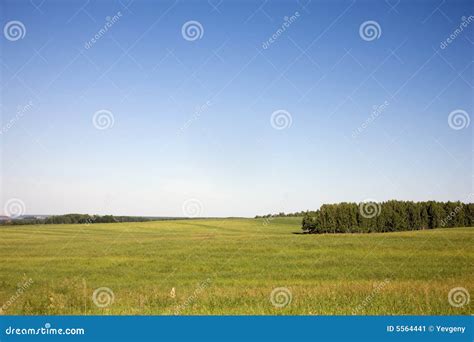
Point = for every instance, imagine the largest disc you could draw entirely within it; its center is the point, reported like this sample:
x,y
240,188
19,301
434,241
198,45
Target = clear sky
x,y
185,116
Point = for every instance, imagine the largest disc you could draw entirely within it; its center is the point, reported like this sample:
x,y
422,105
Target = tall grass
x,y
231,266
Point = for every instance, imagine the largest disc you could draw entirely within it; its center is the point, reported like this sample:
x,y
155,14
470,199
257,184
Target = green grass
x,y
240,262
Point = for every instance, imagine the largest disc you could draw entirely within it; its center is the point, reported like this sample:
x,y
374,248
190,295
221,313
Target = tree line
x,y
282,214
82,219
387,216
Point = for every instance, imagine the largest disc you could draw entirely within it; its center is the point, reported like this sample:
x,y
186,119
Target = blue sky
x,y
192,118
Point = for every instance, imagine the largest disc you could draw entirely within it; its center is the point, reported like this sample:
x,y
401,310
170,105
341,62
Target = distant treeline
x,y
387,216
83,219
282,214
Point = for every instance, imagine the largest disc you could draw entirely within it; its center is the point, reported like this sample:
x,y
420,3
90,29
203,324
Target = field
x,y
230,266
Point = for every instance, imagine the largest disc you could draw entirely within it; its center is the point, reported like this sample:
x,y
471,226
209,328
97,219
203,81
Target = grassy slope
x,y
244,260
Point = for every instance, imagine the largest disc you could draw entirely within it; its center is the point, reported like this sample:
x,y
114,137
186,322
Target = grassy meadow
x,y
231,266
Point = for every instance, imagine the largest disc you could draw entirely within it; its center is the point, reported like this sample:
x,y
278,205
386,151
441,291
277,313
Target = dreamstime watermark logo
x,y
371,296
14,30
458,119
103,297
370,30
103,119
281,119
192,298
465,21
109,22
450,216
281,297
458,297
369,208
192,30
14,207
376,111
267,220
21,288
192,207
21,110
287,21
197,114
46,330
